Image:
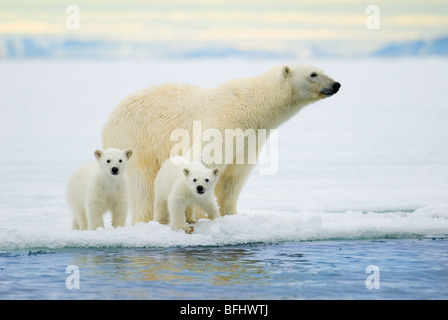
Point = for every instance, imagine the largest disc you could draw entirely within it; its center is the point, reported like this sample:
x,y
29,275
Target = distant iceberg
x,y
437,46
52,47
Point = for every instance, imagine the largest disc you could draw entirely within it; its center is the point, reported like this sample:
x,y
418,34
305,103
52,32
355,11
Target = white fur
x,y
93,189
145,120
176,191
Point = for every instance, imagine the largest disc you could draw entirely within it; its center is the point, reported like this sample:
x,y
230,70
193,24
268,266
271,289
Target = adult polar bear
x,y
144,121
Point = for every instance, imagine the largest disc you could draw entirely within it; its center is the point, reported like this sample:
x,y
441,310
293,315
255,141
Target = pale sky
x,y
243,23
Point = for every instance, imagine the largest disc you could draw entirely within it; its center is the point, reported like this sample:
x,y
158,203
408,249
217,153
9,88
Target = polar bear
x,y
178,186
95,188
145,120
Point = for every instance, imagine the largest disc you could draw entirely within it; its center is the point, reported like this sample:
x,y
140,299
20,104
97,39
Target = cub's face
x,y
309,83
113,161
200,181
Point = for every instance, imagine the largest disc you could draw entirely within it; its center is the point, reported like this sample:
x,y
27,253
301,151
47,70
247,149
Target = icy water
x,y
401,269
362,184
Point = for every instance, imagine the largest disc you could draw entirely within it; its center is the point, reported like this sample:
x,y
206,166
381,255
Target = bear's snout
x,y
336,86
329,91
114,170
200,189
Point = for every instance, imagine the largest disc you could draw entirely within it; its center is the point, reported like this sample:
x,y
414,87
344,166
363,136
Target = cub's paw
x,y
189,229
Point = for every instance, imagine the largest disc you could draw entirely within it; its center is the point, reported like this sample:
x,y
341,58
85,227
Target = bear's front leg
x,y
119,212
141,191
210,207
79,221
178,220
94,214
190,214
229,186
161,214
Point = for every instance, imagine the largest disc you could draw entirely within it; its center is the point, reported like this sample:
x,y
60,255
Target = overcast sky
x,y
243,23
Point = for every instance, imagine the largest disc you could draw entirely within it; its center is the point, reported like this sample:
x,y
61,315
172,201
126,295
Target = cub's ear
x,y
128,153
186,172
286,71
215,172
98,154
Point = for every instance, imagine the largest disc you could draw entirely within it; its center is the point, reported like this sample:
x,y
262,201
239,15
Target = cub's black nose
x,y
336,86
200,189
114,170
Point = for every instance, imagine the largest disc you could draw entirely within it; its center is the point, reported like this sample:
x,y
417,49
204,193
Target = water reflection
x,y
309,270
204,270
220,265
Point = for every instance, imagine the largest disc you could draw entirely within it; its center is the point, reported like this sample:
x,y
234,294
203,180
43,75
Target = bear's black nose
x,y
200,189
336,86
114,170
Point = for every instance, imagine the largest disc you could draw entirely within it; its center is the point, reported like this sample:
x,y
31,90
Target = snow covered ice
x,y
370,162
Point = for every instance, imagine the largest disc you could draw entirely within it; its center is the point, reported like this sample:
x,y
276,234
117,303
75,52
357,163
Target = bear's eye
x,y
108,161
120,160
206,180
194,180
314,74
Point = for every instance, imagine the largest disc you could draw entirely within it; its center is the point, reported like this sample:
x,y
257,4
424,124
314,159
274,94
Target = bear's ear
x,y
286,71
98,154
128,153
186,172
215,172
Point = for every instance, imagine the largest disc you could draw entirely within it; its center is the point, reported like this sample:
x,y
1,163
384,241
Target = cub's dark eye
x,y
206,180
120,160
108,161
194,180
314,74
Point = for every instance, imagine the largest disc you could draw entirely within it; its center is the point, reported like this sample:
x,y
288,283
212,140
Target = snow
x,y
370,162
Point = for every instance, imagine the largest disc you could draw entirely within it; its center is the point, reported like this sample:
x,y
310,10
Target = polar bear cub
x,y
95,188
180,185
